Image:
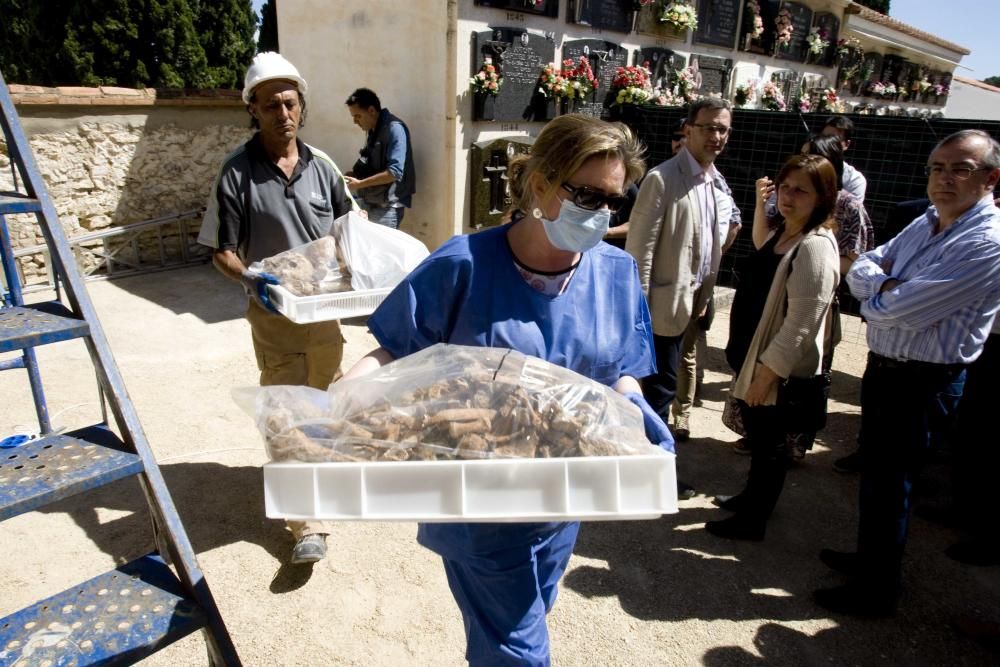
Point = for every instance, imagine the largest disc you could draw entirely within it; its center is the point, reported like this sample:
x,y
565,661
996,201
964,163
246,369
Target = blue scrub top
x,y
468,292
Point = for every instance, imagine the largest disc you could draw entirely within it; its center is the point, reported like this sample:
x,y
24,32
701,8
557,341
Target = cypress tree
x,y
268,38
226,31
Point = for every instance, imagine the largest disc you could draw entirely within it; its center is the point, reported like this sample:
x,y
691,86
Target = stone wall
x,y
114,156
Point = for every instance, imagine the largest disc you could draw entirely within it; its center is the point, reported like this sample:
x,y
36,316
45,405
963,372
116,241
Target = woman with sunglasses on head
x,y
546,286
778,322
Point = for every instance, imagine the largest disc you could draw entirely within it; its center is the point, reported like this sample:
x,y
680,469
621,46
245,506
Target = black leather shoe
x,y
849,464
685,491
846,562
737,528
853,600
729,503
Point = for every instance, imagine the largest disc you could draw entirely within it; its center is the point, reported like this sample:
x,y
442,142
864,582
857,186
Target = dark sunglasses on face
x,y
591,199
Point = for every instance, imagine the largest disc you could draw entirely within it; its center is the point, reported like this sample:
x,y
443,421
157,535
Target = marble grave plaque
x,y
801,23
488,173
764,44
616,15
605,58
543,7
520,57
892,70
871,70
830,25
717,22
712,72
661,61
789,81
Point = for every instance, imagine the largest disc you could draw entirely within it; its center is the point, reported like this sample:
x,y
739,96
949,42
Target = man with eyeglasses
x,y
676,233
842,128
930,296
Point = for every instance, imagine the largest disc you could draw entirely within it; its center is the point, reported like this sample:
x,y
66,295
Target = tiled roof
x,y
882,19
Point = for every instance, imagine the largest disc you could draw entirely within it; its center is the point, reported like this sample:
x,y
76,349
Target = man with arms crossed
x,y
930,296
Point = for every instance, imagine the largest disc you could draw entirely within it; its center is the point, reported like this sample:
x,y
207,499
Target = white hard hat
x,y
268,66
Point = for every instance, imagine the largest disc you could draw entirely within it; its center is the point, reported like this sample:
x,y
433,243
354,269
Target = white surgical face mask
x,y
575,229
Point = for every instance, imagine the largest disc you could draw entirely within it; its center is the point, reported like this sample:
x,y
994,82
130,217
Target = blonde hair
x,y
563,146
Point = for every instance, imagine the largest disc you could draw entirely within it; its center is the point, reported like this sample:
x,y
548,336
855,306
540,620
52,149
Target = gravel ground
x,y
659,592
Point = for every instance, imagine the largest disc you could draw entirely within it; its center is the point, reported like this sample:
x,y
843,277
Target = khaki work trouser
x,y
296,354
687,369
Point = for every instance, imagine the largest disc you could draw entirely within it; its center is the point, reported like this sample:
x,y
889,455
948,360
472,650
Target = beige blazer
x,y
664,237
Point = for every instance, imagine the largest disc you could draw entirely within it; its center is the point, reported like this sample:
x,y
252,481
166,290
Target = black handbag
x,y
802,402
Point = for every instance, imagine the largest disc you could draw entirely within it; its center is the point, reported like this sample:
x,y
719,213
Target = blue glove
x,y
656,429
256,284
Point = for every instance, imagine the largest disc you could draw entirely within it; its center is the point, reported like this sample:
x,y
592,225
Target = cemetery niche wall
x,y
614,15
604,57
711,73
661,63
519,57
718,21
488,160
800,17
541,7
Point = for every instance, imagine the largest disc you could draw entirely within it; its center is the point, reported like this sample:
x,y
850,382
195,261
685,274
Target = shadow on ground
x,y
200,291
218,505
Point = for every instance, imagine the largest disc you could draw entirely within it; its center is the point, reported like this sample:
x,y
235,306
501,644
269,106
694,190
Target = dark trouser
x,y
766,437
661,389
900,404
806,439
387,216
975,456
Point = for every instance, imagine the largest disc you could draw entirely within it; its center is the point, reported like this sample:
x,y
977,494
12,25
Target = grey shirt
x,y
256,211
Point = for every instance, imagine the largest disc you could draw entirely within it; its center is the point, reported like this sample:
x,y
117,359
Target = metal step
x,y
11,203
118,617
38,324
59,466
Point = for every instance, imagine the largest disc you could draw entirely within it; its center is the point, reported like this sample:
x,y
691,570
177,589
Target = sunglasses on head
x,y
592,199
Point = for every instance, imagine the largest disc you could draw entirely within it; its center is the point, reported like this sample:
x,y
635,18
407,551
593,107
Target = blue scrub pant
x,y
902,403
504,597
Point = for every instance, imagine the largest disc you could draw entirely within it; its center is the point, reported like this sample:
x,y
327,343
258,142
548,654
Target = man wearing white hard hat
x,y
273,193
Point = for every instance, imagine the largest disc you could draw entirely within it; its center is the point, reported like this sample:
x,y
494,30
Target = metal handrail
x,y
129,236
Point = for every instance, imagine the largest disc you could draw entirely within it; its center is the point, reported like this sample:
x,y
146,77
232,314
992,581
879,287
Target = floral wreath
x,y
633,84
680,15
487,80
783,21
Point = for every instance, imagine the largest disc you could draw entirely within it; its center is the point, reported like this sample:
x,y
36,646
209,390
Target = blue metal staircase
x,y
133,611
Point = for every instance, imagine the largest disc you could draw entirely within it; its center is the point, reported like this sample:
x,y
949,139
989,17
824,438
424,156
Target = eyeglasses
x,y
712,129
589,198
959,173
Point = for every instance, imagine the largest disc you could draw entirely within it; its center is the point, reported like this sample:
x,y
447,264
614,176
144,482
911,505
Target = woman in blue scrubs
x,y
545,285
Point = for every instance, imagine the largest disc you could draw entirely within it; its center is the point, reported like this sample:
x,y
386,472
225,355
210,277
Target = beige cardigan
x,y
789,340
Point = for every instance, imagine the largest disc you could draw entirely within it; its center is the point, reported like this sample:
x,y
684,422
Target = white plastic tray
x,y
324,307
497,490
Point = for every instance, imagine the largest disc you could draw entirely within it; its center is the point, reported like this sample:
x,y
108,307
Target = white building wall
x,y
969,101
401,51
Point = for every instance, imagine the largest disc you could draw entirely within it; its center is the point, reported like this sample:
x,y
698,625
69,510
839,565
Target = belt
x,y
878,361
